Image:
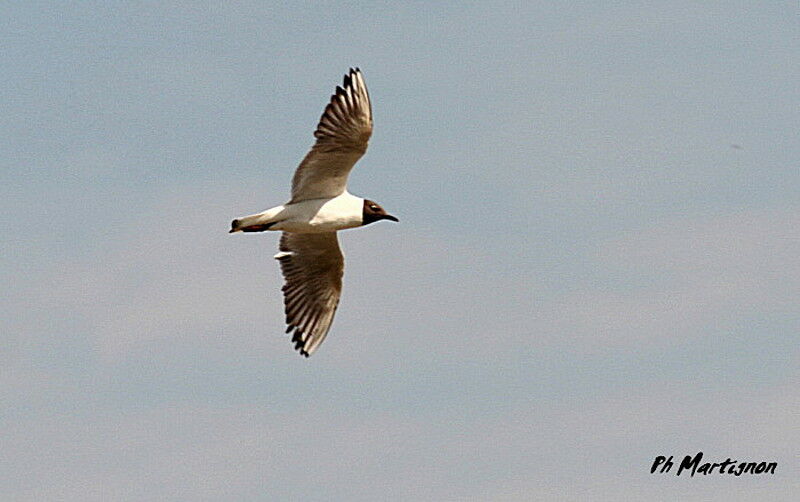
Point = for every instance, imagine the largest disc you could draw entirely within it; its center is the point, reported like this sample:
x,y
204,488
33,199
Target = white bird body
x,y
310,216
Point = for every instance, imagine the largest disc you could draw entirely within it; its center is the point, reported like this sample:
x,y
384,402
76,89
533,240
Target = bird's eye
x,y
374,207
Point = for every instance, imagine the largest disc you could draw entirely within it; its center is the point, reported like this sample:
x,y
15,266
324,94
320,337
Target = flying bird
x,y
310,259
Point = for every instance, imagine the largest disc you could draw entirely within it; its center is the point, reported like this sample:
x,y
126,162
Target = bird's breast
x,y
323,215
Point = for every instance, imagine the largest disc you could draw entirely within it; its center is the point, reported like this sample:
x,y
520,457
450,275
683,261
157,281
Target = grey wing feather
x,y
312,266
342,136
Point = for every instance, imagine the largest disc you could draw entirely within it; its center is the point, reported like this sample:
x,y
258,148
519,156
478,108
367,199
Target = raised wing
x,y
312,266
342,136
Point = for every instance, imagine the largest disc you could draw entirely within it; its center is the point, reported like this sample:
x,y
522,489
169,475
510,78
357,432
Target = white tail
x,y
257,222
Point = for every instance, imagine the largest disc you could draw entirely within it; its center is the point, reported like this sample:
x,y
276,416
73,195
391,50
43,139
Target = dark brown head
x,y
373,212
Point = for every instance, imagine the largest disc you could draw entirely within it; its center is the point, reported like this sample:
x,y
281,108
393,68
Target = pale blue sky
x,y
596,262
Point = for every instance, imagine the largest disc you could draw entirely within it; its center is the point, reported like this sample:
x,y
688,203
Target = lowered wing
x,y
312,266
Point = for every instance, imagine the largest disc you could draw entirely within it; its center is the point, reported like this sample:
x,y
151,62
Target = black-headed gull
x,y
310,258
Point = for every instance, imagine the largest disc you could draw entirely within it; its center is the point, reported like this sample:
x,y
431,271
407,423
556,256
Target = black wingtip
x,y
351,75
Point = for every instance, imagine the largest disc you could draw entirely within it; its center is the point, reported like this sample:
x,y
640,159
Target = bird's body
x,y
308,216
310,258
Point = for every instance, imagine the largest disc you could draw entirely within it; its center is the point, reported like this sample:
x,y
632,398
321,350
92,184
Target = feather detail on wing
x,y
342,136
312,266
